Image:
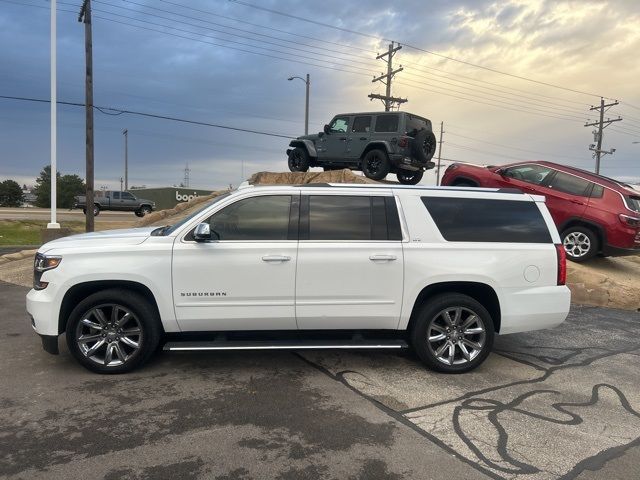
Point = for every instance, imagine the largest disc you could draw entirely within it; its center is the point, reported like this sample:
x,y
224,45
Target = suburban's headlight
x,y
41,264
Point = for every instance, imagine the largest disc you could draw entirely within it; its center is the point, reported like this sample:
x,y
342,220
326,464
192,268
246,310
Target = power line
x,y
446,57
150,115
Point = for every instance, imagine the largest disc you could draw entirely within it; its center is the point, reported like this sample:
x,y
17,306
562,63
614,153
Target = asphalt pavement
x,y
62,215
563,403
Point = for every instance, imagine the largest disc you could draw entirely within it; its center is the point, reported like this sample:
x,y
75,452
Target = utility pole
x,y
54,119
439,153
187,171
125,132
601,124
306,108
85,16
387,99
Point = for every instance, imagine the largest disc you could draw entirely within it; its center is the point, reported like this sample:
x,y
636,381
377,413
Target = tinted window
x,y
414,124
597,191
115,195
340,124
633,202
362,124
566,183
479,220
127,196
536,174
257,218
387,123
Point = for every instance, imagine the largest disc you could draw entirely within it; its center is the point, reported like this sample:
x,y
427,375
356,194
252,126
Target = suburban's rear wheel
x,y
580,243
453,333
298,160
375,164
113,331
406,177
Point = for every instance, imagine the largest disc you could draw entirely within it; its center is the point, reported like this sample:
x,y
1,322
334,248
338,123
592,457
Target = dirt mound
x,y
299,178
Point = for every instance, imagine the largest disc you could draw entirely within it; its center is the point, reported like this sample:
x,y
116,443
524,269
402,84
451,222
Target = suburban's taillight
x,y
403,142
562,264
632,222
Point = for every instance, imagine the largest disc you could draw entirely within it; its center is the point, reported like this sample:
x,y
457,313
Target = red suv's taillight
x,y
632,222
403,142
562,264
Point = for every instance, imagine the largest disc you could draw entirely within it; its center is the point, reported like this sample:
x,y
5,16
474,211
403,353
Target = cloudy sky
x,y
226,62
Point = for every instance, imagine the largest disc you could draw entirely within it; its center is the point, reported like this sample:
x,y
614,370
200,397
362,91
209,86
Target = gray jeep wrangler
x,y
376,143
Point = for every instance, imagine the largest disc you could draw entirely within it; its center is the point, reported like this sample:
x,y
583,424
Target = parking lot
x,y
563,403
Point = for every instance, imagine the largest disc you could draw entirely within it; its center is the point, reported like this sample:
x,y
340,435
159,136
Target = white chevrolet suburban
x,y
442,270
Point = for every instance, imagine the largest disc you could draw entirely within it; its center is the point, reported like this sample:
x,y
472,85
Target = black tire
x,y
375,164
96,210
142,316
299,160
406,177
143,210
423,146
580,243
430,319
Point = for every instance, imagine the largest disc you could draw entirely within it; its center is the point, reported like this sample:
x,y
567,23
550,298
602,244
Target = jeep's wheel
x,y
580,243
406,177
142,211
453,333
375,164
298,160
423,146
113,331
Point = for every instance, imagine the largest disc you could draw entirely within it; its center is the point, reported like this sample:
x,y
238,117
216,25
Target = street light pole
x,y
306,104
54,118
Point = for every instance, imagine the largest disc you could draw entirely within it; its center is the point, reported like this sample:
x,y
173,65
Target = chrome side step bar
x,y
355,344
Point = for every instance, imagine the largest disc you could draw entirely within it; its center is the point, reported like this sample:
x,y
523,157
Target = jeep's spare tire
x,y
423,146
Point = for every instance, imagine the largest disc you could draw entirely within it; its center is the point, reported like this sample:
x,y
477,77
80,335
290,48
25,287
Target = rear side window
x,y
415,124
487,220
362,124
563,182
349,217
597,191
387,123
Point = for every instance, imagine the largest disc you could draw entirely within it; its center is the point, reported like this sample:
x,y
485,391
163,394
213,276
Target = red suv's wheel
x,y
580,243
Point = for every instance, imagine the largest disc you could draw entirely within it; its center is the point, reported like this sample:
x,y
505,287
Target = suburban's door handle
x,y
388,258
276,258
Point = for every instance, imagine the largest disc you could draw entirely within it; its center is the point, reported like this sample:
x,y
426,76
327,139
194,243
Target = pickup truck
x,y
115,200
440,270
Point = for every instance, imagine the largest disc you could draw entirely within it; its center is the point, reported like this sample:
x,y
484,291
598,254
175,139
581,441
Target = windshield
x,y
169,229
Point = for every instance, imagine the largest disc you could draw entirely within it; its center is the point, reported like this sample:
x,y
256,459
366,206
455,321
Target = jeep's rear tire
x,y
375,164
113,331
453,333
299,160
423,146
405,177
580,243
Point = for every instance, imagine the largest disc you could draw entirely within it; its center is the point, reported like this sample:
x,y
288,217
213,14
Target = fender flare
x,y
308,144
376,144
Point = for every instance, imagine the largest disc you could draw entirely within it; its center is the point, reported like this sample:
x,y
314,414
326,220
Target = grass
x,y
27,232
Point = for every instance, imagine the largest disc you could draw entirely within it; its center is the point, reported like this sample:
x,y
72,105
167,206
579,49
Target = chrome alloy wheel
x,y
577,244
109,335
456,335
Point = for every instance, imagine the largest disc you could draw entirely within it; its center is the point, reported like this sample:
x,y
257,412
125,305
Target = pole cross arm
x,y
386,75
373,96
389,52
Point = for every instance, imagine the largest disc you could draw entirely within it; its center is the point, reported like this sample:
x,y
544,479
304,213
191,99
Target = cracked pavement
x,y
562,403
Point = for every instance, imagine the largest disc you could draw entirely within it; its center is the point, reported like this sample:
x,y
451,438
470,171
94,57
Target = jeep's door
x,y
334,145
246,279
359,136
350,263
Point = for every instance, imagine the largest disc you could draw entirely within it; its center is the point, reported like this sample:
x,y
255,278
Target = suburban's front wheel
x,y
453,333
406,177
113,331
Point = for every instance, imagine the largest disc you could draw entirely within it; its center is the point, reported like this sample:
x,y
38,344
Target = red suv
x,y
594,214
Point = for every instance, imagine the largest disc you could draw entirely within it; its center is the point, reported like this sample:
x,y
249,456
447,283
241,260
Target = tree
x,y
10,194
68,186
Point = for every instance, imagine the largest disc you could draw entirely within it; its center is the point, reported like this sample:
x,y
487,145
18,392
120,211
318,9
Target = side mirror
x,y
202,233
327,129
